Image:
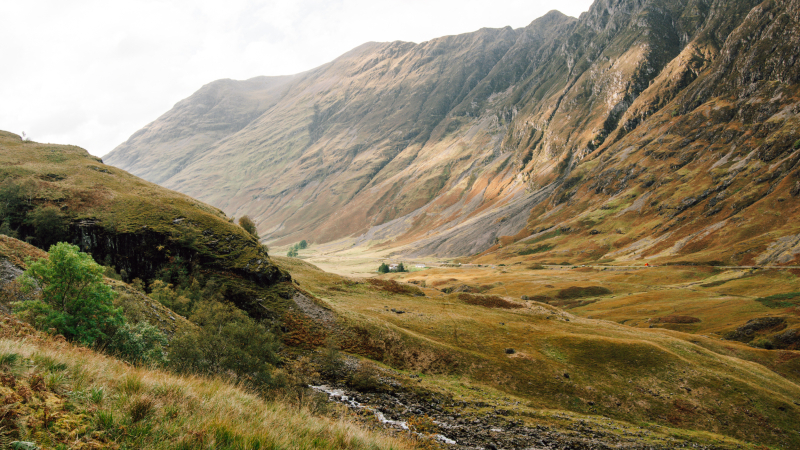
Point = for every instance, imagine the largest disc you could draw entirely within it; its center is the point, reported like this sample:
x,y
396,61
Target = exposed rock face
x,y
449,144
143,253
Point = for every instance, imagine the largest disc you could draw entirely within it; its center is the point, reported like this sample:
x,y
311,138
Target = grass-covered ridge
x,y
53,193
93,201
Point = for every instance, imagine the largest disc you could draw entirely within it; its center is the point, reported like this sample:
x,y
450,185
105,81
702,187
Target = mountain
x,y
666,121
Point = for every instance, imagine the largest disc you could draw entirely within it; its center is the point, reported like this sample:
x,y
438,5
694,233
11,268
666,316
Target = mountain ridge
x,y
445,146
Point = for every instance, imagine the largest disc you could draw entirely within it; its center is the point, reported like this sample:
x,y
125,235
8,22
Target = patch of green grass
x,y
573,292
780,300
538,249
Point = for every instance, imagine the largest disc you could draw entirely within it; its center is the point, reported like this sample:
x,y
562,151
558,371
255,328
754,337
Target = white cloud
x,y
92,72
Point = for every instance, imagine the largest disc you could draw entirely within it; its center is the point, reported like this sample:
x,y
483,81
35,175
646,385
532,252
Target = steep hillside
x,y
216,111
54,193
449,144
711,176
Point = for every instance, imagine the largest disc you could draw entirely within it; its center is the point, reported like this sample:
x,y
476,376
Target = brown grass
x,y
87,400
489,301
393,287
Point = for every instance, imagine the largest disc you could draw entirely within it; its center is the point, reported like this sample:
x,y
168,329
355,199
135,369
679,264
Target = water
x,y
341,396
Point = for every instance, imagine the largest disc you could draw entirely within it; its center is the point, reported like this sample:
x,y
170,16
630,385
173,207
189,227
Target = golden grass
x,y
635,375
95,401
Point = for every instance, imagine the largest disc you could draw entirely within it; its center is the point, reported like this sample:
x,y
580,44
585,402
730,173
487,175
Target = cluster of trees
x,y
292,253
65,294
386,269
20,218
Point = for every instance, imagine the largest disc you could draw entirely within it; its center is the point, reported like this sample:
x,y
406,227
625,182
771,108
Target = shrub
x,y
302,245
165,294
140,344
394,287
72,297
247,223
365,379
49,225
227,341
5,228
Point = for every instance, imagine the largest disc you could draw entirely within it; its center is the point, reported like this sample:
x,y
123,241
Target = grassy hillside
x,y
56,193
60,396
531,358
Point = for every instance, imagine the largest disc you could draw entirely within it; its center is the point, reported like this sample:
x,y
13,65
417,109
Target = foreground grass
x,y
61,396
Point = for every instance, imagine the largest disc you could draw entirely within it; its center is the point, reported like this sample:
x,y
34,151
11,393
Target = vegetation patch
x,y
393,287
574,292
538,249
753,327
715,283
780,300
677,319
488,301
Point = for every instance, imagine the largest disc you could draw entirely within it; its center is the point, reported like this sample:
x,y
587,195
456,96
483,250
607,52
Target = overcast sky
x,y
92,72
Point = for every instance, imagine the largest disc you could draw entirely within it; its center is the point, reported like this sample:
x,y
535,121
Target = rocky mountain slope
x,y
647,107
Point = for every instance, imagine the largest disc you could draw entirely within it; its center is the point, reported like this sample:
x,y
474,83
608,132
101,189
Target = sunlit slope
x,y
711,177
447,145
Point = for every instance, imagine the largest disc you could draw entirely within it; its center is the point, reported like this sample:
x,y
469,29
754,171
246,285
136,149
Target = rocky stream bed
x,y
464,425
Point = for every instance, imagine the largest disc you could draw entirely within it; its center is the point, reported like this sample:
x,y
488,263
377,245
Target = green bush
x,y
226,342
247,223
72,298
49,224
141,343
383,268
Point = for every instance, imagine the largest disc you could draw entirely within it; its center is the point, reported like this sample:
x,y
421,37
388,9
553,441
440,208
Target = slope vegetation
x,y
54,193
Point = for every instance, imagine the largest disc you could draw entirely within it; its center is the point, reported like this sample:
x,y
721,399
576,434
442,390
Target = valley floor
x,y
669,352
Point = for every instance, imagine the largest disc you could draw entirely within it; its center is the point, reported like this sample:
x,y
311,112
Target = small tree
x,y
302,245
247,223
401,268
72,297
49,224
383,268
